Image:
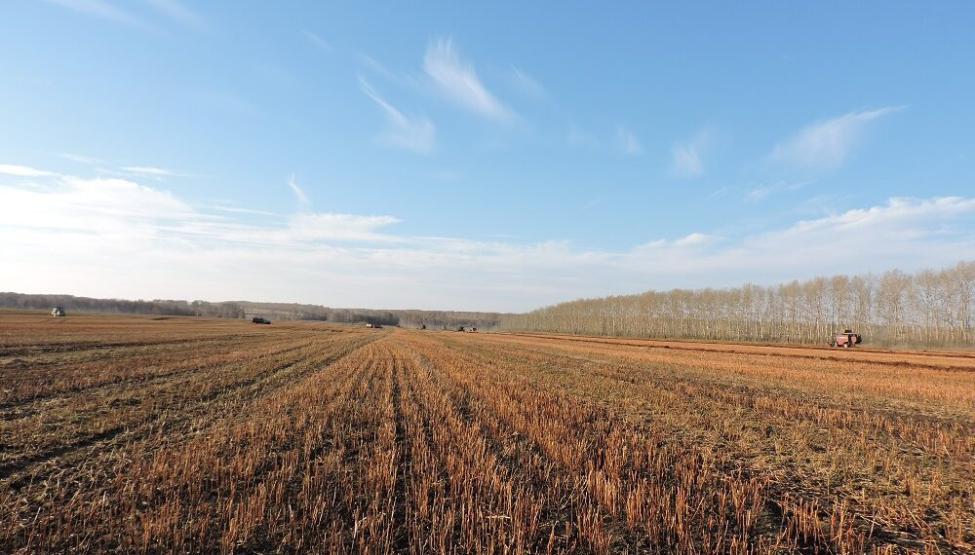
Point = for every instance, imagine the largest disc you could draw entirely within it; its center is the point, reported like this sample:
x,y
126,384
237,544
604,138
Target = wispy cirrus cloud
x,y
251,211
457,80
106,167
526,84
333,227
627,142
380,69
151,171
410,133
828,143
909,215
316,40
297,190
762,192
720,192
687,158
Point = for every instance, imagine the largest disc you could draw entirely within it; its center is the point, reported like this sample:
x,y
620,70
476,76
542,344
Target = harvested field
x,y
135,434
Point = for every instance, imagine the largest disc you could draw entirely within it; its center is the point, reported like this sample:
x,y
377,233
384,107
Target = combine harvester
x,y
846,339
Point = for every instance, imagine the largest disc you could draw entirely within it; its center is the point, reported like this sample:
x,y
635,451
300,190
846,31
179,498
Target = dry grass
x,y
140,435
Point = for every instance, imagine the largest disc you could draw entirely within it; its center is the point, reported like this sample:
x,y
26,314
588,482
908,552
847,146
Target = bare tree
x,y
932,307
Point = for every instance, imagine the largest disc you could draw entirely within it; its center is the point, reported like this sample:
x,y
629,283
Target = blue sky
x,y
502,156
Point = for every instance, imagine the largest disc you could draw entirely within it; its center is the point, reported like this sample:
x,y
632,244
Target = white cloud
x,y
685,243
900,210
119,238
686,158
410,133
827,144
901,233
113,209
695,240
458,81
627,142
237,210
150,171
109,205
312,227
178,12
23,171
298,191
317,40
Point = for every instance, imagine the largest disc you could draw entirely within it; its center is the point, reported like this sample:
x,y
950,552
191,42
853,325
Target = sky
x,y
501,156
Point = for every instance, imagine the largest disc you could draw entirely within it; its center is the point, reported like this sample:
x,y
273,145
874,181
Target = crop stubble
x,y
135,434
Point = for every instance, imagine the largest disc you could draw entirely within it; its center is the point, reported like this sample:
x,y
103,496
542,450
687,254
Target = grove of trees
x,y
433,319
927,308
89,304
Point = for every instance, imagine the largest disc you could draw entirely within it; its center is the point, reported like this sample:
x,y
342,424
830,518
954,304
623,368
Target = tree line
x,y
121,306
927,308
432,319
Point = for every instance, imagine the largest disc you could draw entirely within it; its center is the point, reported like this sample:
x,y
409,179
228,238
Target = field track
x,y
141,434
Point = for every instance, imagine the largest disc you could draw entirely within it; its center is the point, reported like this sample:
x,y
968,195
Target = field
x,y
141,434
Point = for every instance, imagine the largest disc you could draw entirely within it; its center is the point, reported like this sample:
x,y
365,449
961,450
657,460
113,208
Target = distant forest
x,y
434,319
928,308
121,306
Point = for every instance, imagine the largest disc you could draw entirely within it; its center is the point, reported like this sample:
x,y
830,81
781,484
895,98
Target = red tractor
x,y
846,339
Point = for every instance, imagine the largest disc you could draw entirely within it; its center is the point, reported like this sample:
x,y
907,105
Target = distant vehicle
x,y
460,328
846,339
473,329
58,312
260,320
374,326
